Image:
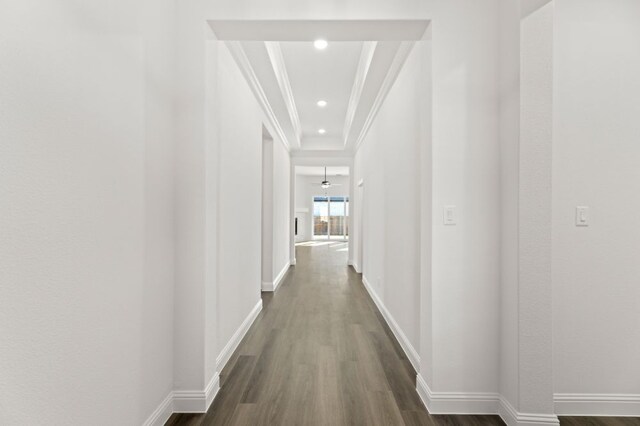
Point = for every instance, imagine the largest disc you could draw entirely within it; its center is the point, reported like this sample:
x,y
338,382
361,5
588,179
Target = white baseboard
x,y
161,414
266,286
357,267
590,404
479,403
409,350
185,402
196,401
456,402
237,337
293,262
512,417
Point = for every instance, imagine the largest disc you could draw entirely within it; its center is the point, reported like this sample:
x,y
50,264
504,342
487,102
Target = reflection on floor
x,y
317,243
320,353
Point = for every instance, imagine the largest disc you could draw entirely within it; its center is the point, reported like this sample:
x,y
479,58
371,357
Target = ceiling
x,y
321,75
288,75
319,171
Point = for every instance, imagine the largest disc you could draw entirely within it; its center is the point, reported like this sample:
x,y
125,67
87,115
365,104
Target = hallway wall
x,y
276,224
596,158
465,276
239,202
387,161
466,160
86,202
281,204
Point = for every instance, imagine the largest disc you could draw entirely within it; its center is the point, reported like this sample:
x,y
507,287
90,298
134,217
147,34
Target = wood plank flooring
x,y
320,353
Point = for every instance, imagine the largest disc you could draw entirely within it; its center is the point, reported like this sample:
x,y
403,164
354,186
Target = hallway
x,y
320,353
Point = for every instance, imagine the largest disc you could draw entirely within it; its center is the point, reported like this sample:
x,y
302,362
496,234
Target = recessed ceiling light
x,y
322,131
322,104
320,44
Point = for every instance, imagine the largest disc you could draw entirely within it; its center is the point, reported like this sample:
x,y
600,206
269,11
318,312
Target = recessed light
x,y
320,44
322,104
322,131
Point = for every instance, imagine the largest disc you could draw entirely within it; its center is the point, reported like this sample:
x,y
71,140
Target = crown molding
x,y
392,74
280,70
238,53
366,56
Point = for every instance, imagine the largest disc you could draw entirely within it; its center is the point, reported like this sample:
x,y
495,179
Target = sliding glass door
x,y
331,218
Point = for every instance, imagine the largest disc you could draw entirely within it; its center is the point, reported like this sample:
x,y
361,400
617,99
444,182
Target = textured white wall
x,y
466,273
534,212
267,211
86,259
239,208
281,212
509,78
596,158
525,72
388,162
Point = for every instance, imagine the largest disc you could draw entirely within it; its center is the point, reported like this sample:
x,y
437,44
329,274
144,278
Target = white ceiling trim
x,y
395,68
366,56
311,154
280,70
309,30
247,70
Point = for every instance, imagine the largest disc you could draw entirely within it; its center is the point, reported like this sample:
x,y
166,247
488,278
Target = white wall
x,y
308,187
239,207
459,340
595,163
86,165
525,72
281,212
388,161
509,78
267,212
276,200
466,274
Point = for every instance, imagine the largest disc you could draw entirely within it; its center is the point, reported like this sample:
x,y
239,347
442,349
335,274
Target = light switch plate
x,y
449,215
582,216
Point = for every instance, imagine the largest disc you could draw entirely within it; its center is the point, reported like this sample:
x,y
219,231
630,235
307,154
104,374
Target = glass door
x,y
331,218
320,217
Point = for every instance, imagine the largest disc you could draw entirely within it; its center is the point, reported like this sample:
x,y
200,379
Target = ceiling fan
x,y
325,183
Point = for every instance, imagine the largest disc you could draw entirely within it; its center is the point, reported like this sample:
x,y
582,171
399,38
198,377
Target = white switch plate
x,y
449,215
582,216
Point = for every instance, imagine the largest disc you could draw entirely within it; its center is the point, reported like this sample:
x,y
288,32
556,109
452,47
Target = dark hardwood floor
x,y
320,353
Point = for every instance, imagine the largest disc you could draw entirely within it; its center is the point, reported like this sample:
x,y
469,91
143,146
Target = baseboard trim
x,y
479,403
196,401
266,286
211,390
512,417
591,404
409,350
456,402
293,262
185,402
237,337
356,267
161,414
